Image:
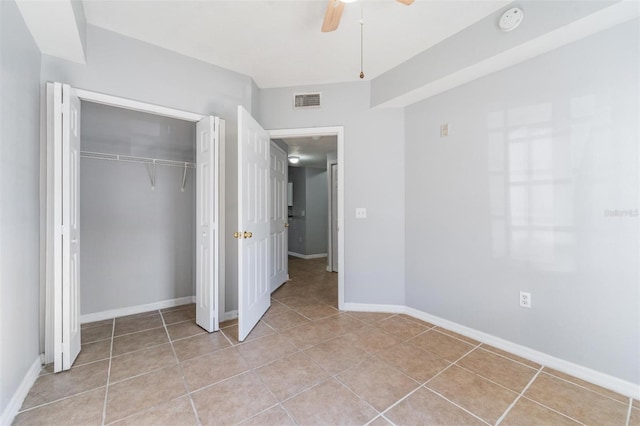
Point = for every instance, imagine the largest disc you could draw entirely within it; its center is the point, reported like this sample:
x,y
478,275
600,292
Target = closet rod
x,y
132,159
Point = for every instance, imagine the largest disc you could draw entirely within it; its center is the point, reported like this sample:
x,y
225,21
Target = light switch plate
x,y
361,213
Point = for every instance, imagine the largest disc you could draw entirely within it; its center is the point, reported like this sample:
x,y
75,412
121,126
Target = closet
x,y
133,213
137,209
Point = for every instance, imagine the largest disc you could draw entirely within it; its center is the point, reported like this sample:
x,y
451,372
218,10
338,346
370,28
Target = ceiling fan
x,y
334,13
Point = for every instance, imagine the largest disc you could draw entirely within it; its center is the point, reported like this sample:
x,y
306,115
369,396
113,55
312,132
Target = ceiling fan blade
x,y
405,2
332,16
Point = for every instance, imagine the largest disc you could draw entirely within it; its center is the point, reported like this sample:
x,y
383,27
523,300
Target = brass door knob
x,y
248,234
236,234
286,225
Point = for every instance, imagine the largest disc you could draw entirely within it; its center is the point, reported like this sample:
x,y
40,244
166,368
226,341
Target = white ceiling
x,y
279,43
312,151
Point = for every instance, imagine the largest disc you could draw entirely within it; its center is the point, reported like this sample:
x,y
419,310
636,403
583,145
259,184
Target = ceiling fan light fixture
x,y
293,159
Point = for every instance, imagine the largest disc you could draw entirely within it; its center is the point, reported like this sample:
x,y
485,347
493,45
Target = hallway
x,y
307,363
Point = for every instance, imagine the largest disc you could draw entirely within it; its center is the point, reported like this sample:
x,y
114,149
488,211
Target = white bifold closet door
x,y
62,311
207,222
63,236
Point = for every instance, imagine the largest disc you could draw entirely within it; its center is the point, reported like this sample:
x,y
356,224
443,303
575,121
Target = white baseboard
x,y
131,310
307,256
228,316
601,379
10,412
365,307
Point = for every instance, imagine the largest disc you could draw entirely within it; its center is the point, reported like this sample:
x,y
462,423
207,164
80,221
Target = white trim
x,y
12,408
337,131
592,376
307,256
222,230
365,307
116,101
601,379
229,316
131,310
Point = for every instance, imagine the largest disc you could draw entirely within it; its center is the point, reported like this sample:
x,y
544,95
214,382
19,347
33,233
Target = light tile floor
x,y
307,363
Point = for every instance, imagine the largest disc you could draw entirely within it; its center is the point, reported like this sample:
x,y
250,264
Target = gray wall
x,y
374,178
317,211
517,198
19,200
125,67
308,233
137,243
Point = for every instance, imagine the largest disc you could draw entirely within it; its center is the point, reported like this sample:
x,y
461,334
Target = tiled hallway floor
x,y
307,363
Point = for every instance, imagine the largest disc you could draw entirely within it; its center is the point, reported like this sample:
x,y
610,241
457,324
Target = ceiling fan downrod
x,y
361,43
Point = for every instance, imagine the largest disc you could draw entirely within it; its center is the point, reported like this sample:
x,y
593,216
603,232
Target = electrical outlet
x,y
361,213
525,299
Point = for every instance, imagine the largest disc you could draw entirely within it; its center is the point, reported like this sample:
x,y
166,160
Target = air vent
x,y
306,100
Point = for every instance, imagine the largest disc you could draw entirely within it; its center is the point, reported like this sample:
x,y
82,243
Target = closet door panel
x,y
63,205
207,259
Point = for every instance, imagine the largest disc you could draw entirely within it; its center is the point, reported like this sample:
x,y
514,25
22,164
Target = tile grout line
x,y
184,379
515,401
387,419
451,364
493,381
553,410
106,391
253,370
581,386
424,385
378,412
382,413
26,410
457,405
486,348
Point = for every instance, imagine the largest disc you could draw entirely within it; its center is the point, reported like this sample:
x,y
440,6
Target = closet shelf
x,y
132,159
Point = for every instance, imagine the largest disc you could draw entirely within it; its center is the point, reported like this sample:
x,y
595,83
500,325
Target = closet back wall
x,y
137,243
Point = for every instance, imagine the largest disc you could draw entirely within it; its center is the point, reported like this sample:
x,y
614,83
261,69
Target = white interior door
x,y
207,219
254,296
64,207
278,238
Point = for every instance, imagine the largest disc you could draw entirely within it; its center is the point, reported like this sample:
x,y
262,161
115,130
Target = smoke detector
x,y
510,19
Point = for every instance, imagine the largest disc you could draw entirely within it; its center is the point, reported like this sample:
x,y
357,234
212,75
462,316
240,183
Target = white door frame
x,y
331,267
337,131
118,102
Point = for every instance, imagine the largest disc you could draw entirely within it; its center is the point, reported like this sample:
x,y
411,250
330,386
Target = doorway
x,y
337,206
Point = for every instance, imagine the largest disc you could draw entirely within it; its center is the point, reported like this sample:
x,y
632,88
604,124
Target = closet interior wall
x,y
137,221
